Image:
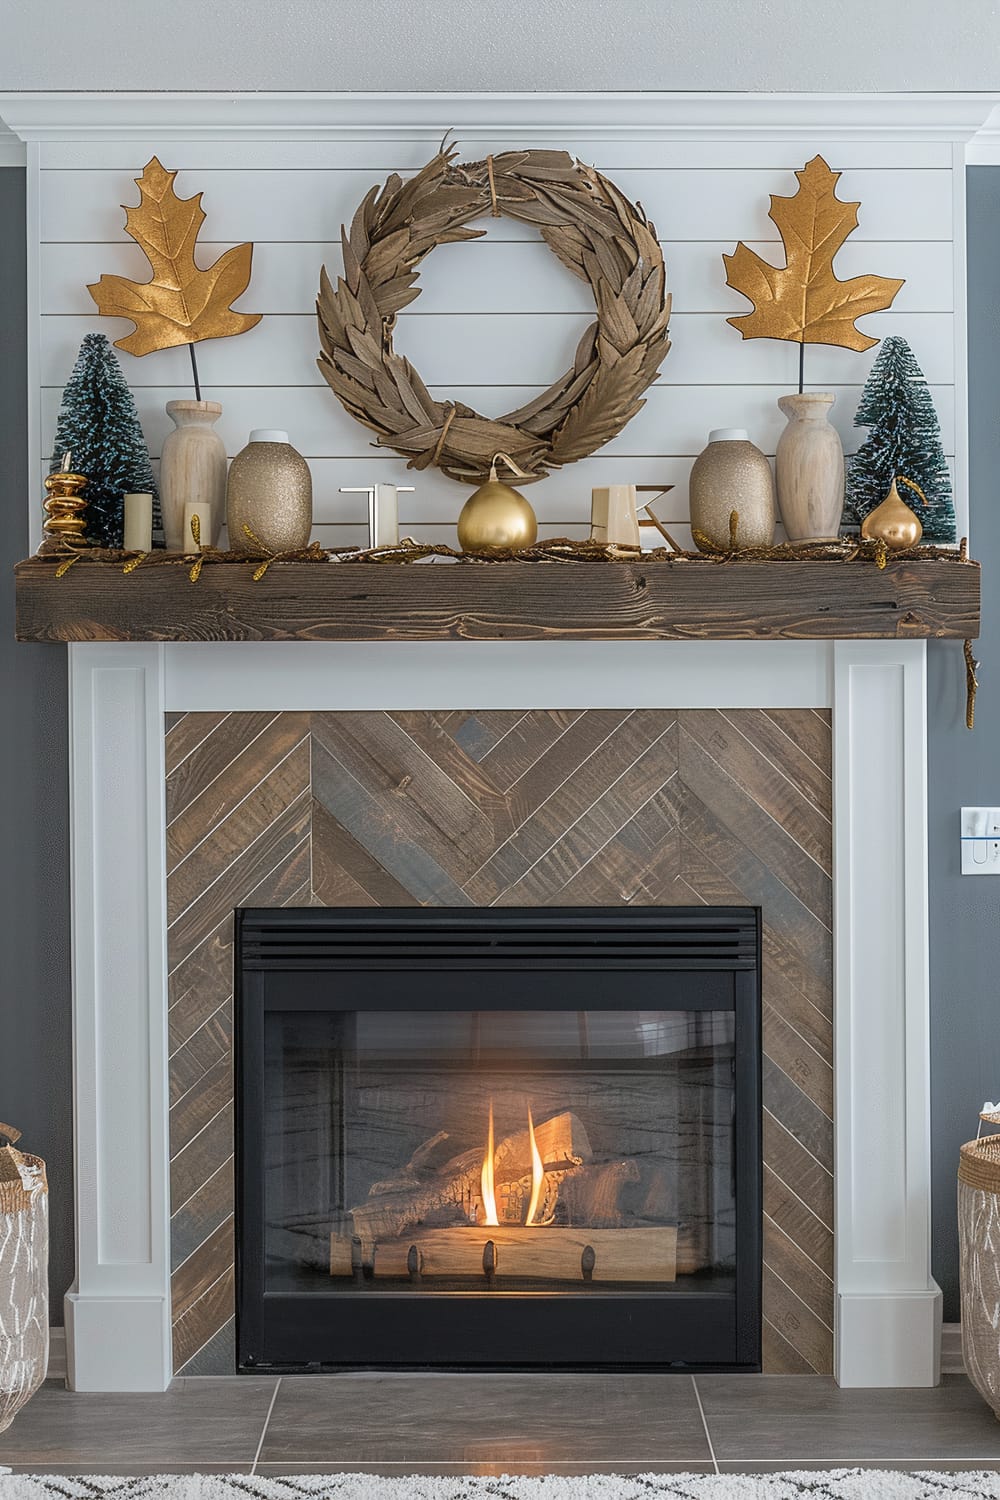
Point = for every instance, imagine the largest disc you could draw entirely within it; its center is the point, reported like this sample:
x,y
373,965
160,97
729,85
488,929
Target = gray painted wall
x,y
965,769
35,1076
854,46
34,940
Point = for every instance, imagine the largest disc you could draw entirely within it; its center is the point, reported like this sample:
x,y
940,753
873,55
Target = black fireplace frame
x,y
715,949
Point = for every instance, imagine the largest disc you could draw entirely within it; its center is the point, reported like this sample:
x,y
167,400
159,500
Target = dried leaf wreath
x,y
597,234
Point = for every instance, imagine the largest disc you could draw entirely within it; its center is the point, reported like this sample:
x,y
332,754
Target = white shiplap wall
x,y
499,318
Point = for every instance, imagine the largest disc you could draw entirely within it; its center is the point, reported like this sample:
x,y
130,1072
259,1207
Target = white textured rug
x,y
833,1484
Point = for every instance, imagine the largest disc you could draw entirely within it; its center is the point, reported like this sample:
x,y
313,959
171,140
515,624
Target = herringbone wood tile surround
x,y
506,808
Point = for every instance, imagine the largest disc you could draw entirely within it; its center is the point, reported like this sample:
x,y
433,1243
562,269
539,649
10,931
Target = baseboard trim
x,y
56,1368
117,1343
952,1362
889,1338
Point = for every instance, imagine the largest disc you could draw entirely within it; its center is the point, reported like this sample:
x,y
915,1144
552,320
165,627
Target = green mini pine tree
x,y
99,427
904,438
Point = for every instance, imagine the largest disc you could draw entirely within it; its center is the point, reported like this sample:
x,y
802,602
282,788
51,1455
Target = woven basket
x,y
979,1252
24,1276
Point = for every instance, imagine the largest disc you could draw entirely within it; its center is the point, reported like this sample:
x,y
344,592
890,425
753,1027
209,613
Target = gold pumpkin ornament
x,y
893,522
496,517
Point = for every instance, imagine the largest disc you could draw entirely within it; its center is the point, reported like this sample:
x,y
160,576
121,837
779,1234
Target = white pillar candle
x,y
203,510
383,510
138,522
613,518
383,516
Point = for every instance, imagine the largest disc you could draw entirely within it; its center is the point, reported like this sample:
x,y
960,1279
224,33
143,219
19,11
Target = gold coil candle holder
x,y
65,525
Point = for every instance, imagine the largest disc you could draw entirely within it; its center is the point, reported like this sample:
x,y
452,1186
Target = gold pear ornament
x,y
496,517
893,522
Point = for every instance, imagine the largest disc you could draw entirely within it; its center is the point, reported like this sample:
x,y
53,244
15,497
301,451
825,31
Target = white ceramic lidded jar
x,y
732,474
192,468
809,467
269,495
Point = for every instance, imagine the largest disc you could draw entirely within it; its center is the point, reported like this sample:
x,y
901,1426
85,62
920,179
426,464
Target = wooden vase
x,y
192,468
809,469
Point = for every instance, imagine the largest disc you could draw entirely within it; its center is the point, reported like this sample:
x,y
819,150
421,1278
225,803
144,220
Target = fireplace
x,y
498,1138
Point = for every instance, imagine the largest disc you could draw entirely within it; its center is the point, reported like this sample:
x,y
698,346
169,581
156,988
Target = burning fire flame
x,y
537,1172
488,1175
488,1185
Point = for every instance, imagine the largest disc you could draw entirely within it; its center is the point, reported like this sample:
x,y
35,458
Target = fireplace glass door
x,y
495,1165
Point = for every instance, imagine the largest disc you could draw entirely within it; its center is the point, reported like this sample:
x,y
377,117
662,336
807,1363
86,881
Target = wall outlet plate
x,y
981,840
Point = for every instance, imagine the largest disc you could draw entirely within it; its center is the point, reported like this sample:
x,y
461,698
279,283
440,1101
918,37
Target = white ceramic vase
x,y
809,469
192,468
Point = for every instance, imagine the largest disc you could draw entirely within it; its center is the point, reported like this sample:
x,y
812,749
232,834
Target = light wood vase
x,y
269,495
809,468
731,474
192,467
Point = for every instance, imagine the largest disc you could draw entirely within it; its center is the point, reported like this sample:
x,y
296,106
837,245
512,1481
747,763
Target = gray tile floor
x,y
494,1424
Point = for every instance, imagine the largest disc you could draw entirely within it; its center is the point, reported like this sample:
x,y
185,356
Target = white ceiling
x,y
343,45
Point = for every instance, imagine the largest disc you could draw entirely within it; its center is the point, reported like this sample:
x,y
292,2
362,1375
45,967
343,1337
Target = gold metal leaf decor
x,y
182,304
597,233
803,300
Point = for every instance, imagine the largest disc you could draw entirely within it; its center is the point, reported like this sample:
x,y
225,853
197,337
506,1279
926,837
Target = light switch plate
x,y
981,840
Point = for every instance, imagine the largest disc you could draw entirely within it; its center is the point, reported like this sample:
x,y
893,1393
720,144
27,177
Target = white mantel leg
x,y
888,1305
118,1312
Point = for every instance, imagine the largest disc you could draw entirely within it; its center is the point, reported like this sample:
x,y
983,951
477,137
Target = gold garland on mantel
x,y
557,549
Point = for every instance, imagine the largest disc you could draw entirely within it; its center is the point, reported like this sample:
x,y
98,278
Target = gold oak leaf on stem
x,y
803,300
182,304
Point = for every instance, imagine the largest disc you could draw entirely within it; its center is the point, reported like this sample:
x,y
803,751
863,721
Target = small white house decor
x,y
24,1276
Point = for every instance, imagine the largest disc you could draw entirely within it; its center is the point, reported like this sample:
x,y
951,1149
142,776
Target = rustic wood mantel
x,y
642,600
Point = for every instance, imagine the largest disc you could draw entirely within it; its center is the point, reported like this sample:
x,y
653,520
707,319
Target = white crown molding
x,y
983,150
50,116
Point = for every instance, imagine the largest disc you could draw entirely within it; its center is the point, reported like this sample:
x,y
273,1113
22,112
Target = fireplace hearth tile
x,y
215,1421
543,1420
774,1419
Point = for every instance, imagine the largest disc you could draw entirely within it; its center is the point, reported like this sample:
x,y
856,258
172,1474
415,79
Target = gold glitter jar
x,y
732,474
269,492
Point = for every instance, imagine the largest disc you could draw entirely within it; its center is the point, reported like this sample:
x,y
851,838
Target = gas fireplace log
x,y
396,1204
344,1251
592,1195
638,1254
425,1160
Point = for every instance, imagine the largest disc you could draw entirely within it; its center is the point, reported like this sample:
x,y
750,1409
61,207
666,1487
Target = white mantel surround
x,y
295,165
888,1308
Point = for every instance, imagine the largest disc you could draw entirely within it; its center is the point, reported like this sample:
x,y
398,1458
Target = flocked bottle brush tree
x,y
903,443
99,429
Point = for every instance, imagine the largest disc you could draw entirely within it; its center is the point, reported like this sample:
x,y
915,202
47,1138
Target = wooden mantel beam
x,y
643,600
